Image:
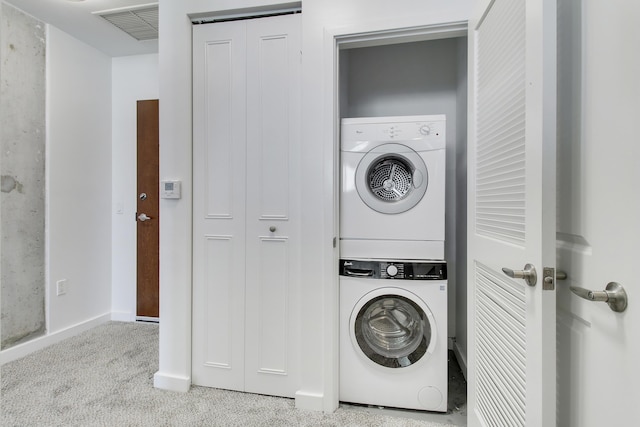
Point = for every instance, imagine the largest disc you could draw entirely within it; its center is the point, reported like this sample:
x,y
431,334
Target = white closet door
x,y
273,205
511,200
219,183
246,184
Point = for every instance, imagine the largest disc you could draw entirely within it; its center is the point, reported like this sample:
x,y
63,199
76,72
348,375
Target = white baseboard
x,y
171,382
309,401
123,316
461,358
24,349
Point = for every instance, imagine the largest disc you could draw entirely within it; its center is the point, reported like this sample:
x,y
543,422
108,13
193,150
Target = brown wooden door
x,y
148,207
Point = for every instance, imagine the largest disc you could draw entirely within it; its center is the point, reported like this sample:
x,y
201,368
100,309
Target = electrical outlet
x,y
61,287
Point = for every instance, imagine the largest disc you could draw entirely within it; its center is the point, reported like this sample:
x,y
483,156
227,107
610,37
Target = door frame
x,y
336,39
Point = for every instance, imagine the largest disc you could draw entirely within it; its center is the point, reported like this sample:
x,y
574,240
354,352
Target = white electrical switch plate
x,y
61,287
170,189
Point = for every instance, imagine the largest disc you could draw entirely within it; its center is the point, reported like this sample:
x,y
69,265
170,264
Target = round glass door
x,y
391,179
393,331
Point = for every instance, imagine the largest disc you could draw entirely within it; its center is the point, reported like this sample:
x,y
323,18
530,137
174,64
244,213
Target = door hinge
x,y
334,242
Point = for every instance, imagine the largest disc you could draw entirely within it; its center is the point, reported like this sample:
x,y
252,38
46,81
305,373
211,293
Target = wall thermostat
x,y
170,189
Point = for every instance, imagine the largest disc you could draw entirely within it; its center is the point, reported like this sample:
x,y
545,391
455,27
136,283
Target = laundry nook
x,y
319,212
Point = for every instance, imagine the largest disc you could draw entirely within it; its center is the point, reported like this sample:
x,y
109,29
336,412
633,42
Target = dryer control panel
x,y
392,269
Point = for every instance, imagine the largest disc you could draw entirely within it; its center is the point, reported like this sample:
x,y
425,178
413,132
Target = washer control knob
x,y
392,270
425,130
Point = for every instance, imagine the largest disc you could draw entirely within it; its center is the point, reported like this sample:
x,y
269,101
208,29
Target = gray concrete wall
x,y
22,174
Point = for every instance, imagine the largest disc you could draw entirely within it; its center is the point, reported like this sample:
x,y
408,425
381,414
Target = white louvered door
x,y
511,223
246,225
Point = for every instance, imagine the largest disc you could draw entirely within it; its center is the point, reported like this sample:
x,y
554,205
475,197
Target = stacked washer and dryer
x,y
393,277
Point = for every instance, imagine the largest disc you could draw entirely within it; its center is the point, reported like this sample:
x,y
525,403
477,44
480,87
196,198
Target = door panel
x,y
598,211
148,232
219,301
219,151
246,205
273,203
511,213
274,288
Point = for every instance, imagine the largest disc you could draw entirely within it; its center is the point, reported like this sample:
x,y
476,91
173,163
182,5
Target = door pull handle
x,y
614,295
528,274
359,273
143,217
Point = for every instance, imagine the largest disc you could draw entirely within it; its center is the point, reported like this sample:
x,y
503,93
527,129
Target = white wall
x,y
133,78
79,180
319,292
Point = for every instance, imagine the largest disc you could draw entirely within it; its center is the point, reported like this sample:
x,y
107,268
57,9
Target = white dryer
x,y
392,201
393,333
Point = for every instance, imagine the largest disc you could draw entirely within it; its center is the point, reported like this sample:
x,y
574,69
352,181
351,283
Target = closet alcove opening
x,y
403,72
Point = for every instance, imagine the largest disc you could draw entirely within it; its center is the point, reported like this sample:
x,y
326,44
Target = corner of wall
x,y
309,401
171,382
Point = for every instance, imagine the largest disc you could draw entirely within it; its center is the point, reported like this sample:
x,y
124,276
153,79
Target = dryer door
x,y
391,179
393,328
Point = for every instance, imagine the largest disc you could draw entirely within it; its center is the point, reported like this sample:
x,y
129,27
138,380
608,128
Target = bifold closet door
x,y
273,205
246,205
219,183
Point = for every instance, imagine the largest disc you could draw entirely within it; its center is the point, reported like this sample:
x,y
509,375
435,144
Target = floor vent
x,y
140,22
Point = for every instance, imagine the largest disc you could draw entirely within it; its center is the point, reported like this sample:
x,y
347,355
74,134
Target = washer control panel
x,y
391,269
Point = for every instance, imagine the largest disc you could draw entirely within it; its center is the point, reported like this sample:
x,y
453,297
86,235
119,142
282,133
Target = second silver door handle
x,y
614,295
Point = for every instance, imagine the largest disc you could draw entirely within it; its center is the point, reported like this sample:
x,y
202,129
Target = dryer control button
x,y
425,130
392,270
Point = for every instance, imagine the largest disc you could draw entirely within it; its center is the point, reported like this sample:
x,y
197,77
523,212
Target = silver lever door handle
x,y
528,274
143,217
614,295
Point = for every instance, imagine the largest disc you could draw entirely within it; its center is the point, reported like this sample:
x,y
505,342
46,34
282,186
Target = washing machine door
x,y
391,179
393,328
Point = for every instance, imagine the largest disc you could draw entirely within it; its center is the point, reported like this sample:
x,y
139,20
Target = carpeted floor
x,y
104,377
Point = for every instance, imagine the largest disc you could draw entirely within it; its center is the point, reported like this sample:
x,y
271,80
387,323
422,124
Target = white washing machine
x,y
393,333
393,187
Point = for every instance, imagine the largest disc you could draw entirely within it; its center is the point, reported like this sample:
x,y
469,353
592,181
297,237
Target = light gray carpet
x,y
103,377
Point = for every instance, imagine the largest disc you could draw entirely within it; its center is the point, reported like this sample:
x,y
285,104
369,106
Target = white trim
x,y
381,37
246,12
171,382
123,316
22,350
124,9
309,401
335,39
147,319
